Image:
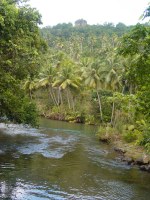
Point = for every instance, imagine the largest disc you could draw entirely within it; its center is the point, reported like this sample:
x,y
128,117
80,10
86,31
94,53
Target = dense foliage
x,y
98,75
20,49
95,74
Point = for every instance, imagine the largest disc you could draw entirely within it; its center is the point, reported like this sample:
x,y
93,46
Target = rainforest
x,y
79,73
74,108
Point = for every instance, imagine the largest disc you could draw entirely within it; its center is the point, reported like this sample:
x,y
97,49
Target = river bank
x,y
129,153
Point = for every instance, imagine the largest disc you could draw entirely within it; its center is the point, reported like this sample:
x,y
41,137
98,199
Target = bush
x,y
30,114
132,135
18,108
90,119
106,133
145,140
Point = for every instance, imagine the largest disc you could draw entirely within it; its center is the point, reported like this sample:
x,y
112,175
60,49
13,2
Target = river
x,y
62,161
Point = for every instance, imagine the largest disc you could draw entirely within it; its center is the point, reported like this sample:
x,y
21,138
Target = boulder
x,y
128,160
139,161
146,159
145,168
119,150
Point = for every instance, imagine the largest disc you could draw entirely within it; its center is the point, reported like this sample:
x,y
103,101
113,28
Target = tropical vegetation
x,y
94,74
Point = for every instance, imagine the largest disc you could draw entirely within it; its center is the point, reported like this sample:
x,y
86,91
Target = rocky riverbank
x,y
131,154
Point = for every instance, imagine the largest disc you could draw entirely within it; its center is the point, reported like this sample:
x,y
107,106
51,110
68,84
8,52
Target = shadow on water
x,y
64,161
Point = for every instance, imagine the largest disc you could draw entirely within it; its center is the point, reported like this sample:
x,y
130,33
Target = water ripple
x,y
63,164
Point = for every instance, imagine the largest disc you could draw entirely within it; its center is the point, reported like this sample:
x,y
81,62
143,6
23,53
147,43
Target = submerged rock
x,y
128,160
139,161
145,168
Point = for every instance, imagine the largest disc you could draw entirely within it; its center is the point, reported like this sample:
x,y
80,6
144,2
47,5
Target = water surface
x,y
61,161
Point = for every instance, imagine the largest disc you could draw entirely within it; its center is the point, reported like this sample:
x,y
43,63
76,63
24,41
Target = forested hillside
x,y
98,75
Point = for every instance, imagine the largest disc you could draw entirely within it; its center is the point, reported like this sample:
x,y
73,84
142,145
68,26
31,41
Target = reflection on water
x,y
64,161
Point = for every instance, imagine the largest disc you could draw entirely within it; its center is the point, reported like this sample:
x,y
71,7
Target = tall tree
x,y
47,77
68,79
20,49
136,45
94,80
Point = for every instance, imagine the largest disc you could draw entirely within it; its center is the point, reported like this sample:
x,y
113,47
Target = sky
x,y
93,11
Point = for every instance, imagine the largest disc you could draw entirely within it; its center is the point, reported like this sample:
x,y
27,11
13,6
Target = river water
x,y
61,161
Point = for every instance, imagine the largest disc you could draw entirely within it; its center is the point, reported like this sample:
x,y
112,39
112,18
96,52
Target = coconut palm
x,y
68,80
94,79
46,80
112,83
30,85
112,69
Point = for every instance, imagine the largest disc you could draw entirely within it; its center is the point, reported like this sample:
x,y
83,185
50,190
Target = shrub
x,y
132,135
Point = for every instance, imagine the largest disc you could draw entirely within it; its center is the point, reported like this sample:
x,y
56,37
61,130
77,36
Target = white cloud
x,y
94,11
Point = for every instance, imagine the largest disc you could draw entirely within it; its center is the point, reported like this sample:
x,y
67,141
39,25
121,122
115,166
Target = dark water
x,y
64,161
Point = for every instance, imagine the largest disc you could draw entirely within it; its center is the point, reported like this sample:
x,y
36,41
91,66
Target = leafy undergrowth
x,y
133,141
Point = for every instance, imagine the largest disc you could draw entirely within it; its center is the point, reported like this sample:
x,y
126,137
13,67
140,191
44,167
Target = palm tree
x,y
112,83
46,80
68,79
113,67
129,74
94,79
30,85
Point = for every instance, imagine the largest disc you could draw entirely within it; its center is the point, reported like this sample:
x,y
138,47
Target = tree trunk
x,y
69,105
60,93
58,97
123,89
100,106
60,101
112,113
51,95
73,103
54,97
